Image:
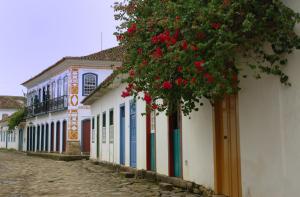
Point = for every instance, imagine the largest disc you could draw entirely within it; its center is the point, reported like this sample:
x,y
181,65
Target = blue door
x,y
133,134
122,135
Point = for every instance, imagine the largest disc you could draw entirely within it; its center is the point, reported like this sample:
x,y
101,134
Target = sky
x,y
34,34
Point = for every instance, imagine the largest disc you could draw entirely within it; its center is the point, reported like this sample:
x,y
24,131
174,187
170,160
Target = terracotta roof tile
x,y
11,102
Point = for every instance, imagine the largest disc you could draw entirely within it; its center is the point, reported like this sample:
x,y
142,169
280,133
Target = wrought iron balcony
x,y
52,105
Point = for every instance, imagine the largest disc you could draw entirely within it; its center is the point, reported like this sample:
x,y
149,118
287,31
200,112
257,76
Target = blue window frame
x,y
89,83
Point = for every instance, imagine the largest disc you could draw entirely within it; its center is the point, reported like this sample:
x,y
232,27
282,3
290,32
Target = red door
x,y
86,131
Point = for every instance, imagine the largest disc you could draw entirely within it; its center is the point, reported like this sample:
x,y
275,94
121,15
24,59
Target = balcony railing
x,y
52,105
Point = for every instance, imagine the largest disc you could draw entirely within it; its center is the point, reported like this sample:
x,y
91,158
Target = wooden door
x,y
122,135
20,140
98,136
151,140
227,155
86,135
133,134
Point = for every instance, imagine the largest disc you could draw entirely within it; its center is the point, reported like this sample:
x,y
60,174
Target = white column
x,y
54,144
61,136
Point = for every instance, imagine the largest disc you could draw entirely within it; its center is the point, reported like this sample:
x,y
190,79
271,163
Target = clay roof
x,y
11,102
111,54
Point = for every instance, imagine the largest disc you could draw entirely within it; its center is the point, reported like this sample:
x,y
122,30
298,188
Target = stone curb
x,y
159,178
58,157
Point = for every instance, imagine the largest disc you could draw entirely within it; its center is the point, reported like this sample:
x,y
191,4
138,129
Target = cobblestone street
x,y
24,176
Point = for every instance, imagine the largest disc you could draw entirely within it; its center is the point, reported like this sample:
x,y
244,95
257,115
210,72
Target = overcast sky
x,y
34,34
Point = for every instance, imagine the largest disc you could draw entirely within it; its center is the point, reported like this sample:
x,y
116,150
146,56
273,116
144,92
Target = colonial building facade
x,y
56,120
10,139
245,145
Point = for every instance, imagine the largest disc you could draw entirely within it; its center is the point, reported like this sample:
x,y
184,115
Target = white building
x,y
56,121
9,139
246,145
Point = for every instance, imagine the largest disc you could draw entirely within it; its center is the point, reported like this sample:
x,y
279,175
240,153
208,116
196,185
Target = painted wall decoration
x,y
73,104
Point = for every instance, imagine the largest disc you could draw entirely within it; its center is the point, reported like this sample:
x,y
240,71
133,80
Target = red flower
x,y
140,51
129,87
120,37
157,53
208,77
125,94
184,45
131,73
179,81
179,69
173,41
194,48
185,82
199,65
166,85
154,106
193,80
176,34
177,18
132,28
154,40
201,35
145,62
147,98
216,25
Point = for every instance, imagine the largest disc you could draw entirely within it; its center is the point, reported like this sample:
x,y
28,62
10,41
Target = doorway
x,y
133,134
86,132
227,151
122,134
175,158
64,136
151,140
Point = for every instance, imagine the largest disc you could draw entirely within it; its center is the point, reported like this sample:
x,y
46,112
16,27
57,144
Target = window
x,y
59,84
111,117
65,85
104,127
111,126
89,83
53,90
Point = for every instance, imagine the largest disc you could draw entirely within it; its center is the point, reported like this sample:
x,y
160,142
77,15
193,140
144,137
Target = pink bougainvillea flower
x,y
176,34
216,25
193,80
120,37
158,53
167,85
154,106
194,48
132,28
125,94
208,77
147,98
179,69
154,40
185,82
199,65
179,81
131,73
140,51
184,45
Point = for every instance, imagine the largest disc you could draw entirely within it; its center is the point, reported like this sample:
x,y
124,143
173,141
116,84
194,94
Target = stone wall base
x,y
73,148
153,176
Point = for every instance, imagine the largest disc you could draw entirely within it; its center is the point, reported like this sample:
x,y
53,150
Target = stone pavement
x,y
25,176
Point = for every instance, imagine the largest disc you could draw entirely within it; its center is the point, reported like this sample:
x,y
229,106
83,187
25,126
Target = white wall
x,y
113,100
197,146
10,139
7,111
269,132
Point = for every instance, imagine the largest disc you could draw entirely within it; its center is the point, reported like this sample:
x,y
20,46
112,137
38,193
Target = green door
x,y
177,152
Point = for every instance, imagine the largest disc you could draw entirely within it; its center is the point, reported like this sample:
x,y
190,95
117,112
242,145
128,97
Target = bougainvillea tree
x,y
180,51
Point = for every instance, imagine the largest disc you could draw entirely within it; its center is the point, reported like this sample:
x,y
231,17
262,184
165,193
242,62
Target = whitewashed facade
x,y
260,136
57,121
